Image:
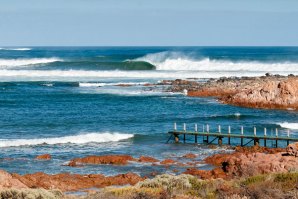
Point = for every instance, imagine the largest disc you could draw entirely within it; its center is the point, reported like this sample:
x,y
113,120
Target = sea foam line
x,y
73,139
7,63
98,84
64,75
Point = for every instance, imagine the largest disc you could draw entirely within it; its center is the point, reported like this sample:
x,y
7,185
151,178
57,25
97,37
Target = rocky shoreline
x,y
269,91
244,162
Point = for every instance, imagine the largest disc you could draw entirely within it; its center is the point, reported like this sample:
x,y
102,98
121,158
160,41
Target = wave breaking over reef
x,y
72,139
180,61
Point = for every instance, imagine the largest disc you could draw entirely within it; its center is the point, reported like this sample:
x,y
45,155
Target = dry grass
x,y
30,194
189,187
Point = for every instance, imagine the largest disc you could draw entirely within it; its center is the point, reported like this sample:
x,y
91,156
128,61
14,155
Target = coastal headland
x,y
269,91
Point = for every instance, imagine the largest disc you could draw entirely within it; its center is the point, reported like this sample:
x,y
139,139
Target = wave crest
x,y
180,61
73,139
7,63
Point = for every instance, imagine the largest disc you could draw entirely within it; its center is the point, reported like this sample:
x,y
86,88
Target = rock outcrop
x,y
8,181
74,182
270,91
105,159
292,149
260,163
147,159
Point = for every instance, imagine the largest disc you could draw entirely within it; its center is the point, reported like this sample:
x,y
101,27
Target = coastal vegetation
x,y
278,185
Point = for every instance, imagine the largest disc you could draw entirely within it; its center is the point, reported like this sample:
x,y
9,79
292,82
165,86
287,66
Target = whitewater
x,y
73,139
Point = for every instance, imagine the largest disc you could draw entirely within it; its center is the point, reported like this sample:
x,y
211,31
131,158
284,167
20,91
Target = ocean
x,y
69,102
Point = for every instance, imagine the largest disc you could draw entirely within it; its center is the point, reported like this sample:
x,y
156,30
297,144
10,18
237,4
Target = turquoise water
x,y
66,102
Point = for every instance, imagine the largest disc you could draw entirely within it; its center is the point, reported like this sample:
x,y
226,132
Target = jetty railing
x,y
211,137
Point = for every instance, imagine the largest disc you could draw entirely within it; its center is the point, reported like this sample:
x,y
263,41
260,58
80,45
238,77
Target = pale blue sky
x,y
148,22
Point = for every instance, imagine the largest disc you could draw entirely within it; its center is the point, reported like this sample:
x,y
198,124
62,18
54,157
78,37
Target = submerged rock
x,y
147,159
44,157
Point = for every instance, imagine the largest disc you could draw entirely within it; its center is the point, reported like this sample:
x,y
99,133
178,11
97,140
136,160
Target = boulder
x,y
292,149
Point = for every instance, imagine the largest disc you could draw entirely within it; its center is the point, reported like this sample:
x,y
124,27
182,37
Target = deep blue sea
x,y
67,101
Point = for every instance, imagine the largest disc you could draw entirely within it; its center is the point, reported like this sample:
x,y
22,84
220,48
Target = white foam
x,y
7,63
85,75
17,49
48,84
86,84
289,125
91,84
179,61
74,139
237,114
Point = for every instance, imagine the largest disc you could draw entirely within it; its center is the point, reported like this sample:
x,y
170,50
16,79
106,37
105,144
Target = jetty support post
x,y
242,132
229,138
256,140
288,135
265,134
220,140
207,129
176,136
196,136
184,128
276,134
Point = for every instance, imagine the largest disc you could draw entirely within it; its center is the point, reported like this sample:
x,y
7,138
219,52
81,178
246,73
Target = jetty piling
x,y
220,136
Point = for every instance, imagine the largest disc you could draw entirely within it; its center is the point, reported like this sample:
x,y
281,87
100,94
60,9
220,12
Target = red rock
x,y
44,157
168,161
189,156
105,159
259,163
8,181
74,182
207,174
273,92
147,159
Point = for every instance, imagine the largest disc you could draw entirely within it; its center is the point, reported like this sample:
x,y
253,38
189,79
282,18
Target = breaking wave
x,y
180,61
289,125
74,139
8,63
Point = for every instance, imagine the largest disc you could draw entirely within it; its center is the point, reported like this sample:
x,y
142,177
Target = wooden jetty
x,y
211,137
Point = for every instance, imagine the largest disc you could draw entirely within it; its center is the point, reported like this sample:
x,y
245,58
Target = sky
x,y
148,23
